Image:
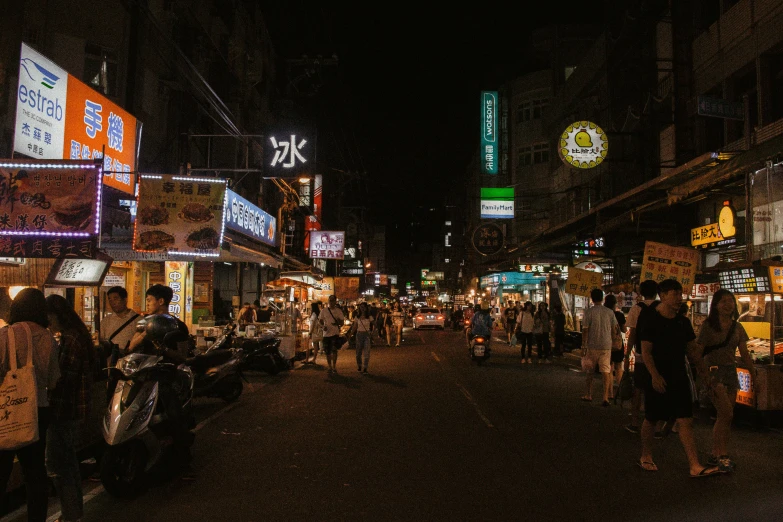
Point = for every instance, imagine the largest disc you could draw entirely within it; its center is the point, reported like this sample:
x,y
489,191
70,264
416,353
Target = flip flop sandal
x,y
647,465
587,399
707,471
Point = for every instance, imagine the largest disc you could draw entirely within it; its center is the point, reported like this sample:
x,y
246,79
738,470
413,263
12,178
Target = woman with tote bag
x,y
28,337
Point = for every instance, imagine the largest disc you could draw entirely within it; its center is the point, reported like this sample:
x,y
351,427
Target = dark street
x,y
428,435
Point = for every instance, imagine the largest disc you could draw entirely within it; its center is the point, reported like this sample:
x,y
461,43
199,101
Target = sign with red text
x,y
582,282
60,117
663,262
325,244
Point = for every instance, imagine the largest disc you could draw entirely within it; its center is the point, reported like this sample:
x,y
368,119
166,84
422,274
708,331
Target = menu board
x,y
662,262
180,215
745,280
78,272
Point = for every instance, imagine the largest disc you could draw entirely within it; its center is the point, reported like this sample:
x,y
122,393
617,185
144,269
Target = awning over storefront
x,y
287,281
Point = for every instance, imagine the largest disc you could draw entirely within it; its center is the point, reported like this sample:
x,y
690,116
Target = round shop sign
x,y
590,266
488,239
583,145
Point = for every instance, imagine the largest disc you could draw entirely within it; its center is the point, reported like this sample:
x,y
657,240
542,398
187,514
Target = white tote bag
x,y
18,398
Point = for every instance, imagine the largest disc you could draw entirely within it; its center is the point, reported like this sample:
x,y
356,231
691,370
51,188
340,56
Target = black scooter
x,y
263,355
478,348
217,372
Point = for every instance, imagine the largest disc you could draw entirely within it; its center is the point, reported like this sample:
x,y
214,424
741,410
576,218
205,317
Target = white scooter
x,y
135,428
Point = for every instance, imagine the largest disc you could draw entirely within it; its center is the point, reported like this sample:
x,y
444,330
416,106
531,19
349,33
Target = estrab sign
x,y
59,117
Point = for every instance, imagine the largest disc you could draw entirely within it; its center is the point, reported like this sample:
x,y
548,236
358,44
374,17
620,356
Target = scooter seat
x,y
201,363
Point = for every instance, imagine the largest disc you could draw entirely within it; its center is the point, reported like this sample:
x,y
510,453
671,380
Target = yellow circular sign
x,y
583,145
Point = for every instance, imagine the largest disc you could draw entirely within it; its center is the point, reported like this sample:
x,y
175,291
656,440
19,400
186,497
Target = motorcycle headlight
x,y
128,365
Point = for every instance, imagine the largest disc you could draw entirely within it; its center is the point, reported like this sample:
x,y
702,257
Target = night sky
x,y
410,84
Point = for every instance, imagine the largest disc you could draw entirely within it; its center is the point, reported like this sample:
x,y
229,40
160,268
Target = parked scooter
x,y
135,426
263,355
217,372
478,348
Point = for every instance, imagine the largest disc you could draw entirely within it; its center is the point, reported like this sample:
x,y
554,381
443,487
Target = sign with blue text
x,y
244,217
489,132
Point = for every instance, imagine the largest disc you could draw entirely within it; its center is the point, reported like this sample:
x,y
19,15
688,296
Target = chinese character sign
x,y
287,154
242,216
489,132
582,282
327,245
78,272
180,215
177,279
488,239
49,199
583,145
662,262
59,117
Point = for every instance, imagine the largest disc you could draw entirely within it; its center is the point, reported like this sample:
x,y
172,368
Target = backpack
x,y
646,310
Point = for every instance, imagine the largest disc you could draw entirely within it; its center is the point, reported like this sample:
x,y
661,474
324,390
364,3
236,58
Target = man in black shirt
x,y
510,320
559,320
666,339
265,314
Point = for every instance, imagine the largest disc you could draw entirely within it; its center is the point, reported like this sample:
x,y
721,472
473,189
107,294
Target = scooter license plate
x,y
478,351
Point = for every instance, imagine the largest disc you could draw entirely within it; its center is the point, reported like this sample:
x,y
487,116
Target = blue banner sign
x,y
489,132
244,217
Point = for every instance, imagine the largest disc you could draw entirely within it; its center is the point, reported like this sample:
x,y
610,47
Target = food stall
x,y
293,288
758,287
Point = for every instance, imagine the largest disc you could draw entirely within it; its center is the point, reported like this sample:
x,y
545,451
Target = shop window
x,y
541,153
568,71
525,156
100,69
531,110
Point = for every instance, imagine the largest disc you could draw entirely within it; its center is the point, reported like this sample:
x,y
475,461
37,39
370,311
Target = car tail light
x,y
420,317
440,318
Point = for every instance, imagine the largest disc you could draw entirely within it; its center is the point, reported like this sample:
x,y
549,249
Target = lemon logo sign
x,y
583,145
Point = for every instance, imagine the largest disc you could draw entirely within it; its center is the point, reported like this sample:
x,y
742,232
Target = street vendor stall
x,y
758,287
290,321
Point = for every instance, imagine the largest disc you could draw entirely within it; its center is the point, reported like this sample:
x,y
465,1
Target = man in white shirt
x,y
597,328
118,327
332,319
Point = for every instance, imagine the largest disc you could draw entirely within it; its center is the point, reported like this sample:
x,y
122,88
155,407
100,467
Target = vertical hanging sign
x,y
489,132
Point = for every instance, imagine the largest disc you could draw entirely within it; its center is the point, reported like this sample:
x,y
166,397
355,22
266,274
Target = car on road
x,y
429,317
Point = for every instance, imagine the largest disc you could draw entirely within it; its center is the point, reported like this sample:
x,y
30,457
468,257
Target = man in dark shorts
x,y
666,339
510,320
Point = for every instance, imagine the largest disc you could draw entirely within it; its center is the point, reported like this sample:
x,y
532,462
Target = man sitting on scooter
x,y
481,324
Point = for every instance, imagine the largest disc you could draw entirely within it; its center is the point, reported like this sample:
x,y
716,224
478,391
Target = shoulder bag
x,y
19,417
341,340
617,338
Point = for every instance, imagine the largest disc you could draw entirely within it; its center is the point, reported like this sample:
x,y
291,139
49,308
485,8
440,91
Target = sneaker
x,y
630,428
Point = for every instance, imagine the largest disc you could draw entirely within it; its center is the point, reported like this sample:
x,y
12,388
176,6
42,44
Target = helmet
x,y
161,329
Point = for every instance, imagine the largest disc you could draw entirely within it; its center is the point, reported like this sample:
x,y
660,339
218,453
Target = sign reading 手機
x,y
497,203
244,217
327,245
180,215
59,117
49,209
489,132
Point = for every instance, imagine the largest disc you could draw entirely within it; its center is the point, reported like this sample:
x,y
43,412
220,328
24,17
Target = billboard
x,y
497,203
49,209
244,217
60,117
180,215
326,244
314,222
489,132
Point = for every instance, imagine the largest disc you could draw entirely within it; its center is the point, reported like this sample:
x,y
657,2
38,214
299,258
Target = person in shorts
x,y
641,377
332,319
510,320
666,338
719,339
597,327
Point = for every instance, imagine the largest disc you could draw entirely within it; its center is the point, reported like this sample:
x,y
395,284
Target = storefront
x,y
503,287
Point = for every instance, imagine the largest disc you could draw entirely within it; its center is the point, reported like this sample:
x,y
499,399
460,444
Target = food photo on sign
x,y
180,215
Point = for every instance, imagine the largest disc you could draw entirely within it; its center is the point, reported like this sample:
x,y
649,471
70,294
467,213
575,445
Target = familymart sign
x,y
497,203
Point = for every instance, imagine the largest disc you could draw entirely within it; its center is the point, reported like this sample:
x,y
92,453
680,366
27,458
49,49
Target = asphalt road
x,y
428,435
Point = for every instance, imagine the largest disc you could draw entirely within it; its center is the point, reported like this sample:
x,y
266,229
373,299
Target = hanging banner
x,y
662,262
180,215
582,282
60,117
177,279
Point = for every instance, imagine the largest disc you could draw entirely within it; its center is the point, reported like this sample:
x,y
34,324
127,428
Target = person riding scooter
x,y
481,324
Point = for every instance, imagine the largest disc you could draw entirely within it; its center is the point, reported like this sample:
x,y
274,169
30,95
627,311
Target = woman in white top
x,y
525,324
362,329
316,331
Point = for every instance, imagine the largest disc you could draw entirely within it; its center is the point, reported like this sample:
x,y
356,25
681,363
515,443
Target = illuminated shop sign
x,y
180,215
59,117
244,217
327,244
745,280
49,209
722,232
78,272
488,239
497,203
583,145
489,132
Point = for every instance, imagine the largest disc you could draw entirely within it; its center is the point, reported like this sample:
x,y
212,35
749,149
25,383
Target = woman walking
x,y
398,322
70,404
28,321
617,357
362,329
525,325
720,337
316,330
541,328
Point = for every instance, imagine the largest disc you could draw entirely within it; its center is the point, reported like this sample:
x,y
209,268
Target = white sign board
x,y
583,145
327,245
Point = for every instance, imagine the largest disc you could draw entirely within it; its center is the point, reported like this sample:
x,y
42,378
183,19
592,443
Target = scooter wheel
x,y
123,469
233,390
